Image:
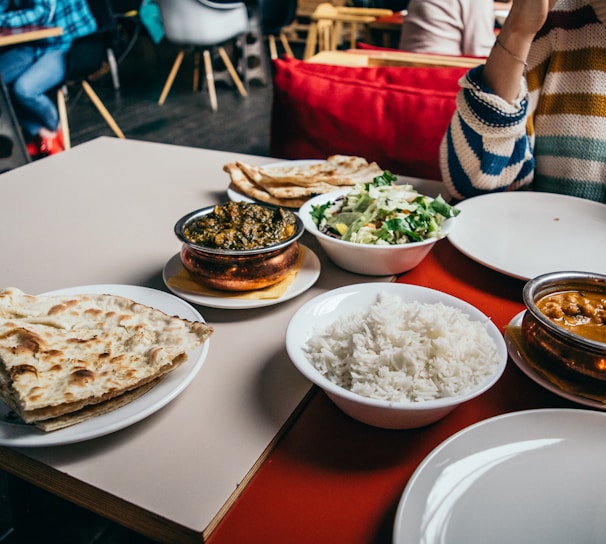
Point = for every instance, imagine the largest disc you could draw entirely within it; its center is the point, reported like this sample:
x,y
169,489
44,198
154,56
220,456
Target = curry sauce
x,y
581,312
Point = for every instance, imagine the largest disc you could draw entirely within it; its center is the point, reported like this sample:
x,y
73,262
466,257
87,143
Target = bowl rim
x,y
538,286
312,228
310,372
190,217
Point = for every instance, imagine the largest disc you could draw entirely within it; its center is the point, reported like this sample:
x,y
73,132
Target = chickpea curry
x,y
241,226
582,312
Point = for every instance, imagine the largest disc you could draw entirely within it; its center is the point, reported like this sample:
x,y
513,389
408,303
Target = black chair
x,y
13,151
129,24
86,58
276,15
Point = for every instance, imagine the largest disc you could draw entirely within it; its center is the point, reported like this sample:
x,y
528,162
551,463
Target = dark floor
x,y
29,515
240,124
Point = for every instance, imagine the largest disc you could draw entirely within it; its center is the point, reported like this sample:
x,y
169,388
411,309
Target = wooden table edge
x,y
120,510
30,35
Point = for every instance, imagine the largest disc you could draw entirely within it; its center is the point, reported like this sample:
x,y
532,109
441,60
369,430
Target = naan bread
x,y
291,186
62,353
243,185
94,410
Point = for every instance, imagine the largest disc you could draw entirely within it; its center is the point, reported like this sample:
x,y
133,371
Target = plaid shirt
x,y
74,16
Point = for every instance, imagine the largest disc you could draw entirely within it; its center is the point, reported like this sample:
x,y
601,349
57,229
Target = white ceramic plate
x,y
525,234
21,435
305,278
236,196
525,477
523,365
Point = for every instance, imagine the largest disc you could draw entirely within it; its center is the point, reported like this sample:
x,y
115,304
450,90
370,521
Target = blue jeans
x,y
29,74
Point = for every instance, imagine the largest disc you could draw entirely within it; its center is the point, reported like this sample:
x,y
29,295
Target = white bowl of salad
x,y
378,228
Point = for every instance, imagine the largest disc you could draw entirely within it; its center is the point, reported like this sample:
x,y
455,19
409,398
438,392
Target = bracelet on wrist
x,y
511,53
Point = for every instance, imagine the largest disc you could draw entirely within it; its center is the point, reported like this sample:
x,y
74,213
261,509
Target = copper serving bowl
x,y
560,346
238,269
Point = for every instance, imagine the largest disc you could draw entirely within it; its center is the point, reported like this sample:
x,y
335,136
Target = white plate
x,y
525,234
236,196
525,477
305,278
523,365
20,435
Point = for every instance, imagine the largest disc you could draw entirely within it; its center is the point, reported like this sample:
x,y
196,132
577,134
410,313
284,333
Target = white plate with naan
x,y
17,434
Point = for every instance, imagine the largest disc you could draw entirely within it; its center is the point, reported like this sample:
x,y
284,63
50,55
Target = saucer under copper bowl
x,y
239,269
562,347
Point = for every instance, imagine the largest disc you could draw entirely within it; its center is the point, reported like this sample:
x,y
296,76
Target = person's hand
x,y
526,17
507,60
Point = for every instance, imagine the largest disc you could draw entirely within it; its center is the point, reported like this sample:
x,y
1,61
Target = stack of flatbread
x,y
67,358
291,186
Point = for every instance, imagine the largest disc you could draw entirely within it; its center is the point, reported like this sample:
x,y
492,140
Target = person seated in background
x,y
534,115
30,70
449,27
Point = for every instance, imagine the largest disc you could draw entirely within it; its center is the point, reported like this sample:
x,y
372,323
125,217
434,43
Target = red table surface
x,y
333,479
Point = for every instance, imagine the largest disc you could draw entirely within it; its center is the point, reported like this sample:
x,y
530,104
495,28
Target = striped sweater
x,y
553,138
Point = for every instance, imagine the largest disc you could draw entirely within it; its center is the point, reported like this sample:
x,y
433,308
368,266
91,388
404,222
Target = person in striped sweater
x,y
534,116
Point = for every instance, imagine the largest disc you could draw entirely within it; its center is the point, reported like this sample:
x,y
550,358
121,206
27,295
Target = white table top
x,y
104,212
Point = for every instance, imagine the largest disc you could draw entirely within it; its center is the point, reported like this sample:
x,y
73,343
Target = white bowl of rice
x,y
393,355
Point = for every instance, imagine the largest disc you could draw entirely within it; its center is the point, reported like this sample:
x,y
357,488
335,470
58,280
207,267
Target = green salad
x,y
383,213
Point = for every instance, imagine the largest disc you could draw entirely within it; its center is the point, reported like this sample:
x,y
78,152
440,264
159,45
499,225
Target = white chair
x,y
203,25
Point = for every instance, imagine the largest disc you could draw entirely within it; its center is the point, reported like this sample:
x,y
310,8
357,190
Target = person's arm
x,y
486,147
507,60
38,14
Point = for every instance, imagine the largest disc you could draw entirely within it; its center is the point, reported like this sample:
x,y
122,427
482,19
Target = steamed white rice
x,y
404,351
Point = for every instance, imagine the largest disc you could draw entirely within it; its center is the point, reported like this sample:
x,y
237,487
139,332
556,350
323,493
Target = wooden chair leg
x,y
102,109
337,35
286,45
353,38
210,80
326,36
63,121
232,71
171,77
312,40
273,50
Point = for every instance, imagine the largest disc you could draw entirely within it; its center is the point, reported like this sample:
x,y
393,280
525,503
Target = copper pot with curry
x,y
565,321
239,246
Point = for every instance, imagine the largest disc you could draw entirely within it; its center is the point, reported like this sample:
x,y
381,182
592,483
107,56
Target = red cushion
x,y
395,116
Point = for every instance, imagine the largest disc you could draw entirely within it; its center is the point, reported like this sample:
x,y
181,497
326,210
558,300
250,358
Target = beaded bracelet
x,y
511,54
